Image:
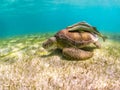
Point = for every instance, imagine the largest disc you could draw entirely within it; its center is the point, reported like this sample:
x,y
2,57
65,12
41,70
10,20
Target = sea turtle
x,y
71,43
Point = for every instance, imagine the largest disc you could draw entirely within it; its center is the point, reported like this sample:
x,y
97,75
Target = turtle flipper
x,y
77,54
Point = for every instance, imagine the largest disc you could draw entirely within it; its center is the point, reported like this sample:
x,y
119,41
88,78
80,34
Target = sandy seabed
x,y
25,65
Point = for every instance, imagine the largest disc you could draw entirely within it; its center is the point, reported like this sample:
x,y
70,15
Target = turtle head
x,y
49,43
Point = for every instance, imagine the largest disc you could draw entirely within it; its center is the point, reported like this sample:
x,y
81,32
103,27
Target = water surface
x,y
19,17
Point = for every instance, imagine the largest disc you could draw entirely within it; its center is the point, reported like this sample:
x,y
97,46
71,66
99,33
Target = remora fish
x,y
85,27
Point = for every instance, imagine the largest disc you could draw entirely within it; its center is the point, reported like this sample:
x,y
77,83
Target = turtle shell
x,y
75,39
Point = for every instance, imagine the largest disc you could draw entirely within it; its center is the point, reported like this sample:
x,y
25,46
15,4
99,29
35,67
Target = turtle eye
x,y
47,44
44,45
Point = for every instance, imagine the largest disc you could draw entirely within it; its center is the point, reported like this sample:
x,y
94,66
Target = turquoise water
x,y
18,17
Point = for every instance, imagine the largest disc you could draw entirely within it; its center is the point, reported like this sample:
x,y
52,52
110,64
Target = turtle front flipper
x,y
77,54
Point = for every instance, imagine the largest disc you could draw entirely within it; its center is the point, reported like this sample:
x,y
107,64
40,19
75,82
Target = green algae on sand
x,y
25,64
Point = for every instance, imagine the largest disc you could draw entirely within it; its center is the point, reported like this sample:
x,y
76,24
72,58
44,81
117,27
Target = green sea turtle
x,y
85,27
71,43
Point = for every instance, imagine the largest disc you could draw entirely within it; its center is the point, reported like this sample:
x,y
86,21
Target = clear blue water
x,y
19,17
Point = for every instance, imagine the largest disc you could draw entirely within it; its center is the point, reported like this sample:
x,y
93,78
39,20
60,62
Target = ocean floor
x,y
25,65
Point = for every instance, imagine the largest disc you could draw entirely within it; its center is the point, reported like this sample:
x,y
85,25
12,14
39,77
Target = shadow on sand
x,y
58,52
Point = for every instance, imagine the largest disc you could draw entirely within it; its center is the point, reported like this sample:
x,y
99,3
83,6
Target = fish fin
x,y
96,29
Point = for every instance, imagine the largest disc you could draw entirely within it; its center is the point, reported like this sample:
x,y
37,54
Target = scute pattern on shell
x,y
74,38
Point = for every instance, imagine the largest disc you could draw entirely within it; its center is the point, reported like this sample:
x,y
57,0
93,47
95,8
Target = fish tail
x,y
104,38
